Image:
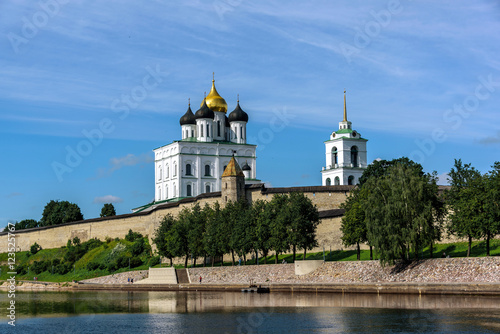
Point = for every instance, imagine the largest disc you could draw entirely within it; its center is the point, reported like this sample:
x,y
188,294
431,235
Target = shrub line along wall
x,y
326,198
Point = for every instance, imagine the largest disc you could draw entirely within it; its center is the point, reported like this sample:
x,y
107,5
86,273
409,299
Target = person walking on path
x,y
200,279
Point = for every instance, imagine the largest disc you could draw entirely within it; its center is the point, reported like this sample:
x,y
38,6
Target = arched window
x,y
354,156
175,190
207,188
167,170
337,181
218,128
328,182
350,180
159,173
335,157
166,192
192,133
208,132
188,190
175,169
201,130
207,170
159,193
188,169
241,132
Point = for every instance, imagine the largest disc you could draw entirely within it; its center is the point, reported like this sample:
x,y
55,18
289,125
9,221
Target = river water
x,y
230,312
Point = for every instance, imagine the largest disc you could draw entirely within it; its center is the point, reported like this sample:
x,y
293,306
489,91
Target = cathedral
x,y
345,155
210,137
195,164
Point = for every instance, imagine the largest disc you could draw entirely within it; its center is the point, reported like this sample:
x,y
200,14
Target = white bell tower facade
x,y
346,157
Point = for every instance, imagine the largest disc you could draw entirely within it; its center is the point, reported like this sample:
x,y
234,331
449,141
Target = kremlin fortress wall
x,y
326,198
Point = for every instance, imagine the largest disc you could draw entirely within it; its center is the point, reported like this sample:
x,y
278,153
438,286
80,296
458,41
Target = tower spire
x,y
345,109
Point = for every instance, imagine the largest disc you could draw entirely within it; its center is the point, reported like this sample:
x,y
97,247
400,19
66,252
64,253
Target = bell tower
x,y
346,157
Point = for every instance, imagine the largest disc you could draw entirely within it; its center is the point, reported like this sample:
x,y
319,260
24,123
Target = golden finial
x,y
213,76
238,100
189,102
345,109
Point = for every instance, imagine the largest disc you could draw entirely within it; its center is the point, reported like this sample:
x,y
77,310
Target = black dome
x,y
227,121
204,112
238,114
188,117
246,167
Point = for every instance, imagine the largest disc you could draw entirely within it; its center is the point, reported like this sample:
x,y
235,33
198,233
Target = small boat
x,y
253,289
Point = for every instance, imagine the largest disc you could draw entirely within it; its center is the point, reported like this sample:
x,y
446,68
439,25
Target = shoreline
x,y
408,288
483,289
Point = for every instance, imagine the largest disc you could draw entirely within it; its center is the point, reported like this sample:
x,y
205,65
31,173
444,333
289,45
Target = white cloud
x,y
491,139
120,162
107,199
14,194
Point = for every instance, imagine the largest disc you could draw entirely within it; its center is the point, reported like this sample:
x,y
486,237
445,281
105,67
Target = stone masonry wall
x,y
448,270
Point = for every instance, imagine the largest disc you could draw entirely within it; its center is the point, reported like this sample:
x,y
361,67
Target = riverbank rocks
x,y
448,270
120,278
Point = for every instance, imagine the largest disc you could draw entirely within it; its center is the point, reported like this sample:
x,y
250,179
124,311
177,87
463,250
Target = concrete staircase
x,y
182,276
160,276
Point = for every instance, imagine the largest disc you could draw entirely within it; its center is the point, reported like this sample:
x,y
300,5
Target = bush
x,y
91,266
102,266
108,240
91,244
154,261
132,236
122,262
35,248
112,266
62,268
137,247
22,269
135,262
56,262
40,266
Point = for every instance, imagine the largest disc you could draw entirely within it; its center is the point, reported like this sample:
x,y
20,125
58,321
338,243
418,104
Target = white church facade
x,y
346,157
194,165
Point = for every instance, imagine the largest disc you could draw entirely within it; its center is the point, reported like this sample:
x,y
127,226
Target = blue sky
x,y
422,80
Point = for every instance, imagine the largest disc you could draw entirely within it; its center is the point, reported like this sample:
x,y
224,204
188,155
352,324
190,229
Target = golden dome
x,y
215,101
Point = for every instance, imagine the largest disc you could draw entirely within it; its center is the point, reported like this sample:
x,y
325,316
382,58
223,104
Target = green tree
x,y
108,210
353,224
243,235
227,229
195,220
262,217
280,218
60,212
378,168
23,224
403,211
304,218
35,248
177,237
491,223
161,237
466,200
211,239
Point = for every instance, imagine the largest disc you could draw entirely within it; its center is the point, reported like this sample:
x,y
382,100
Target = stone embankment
x,y
448,270
121,278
